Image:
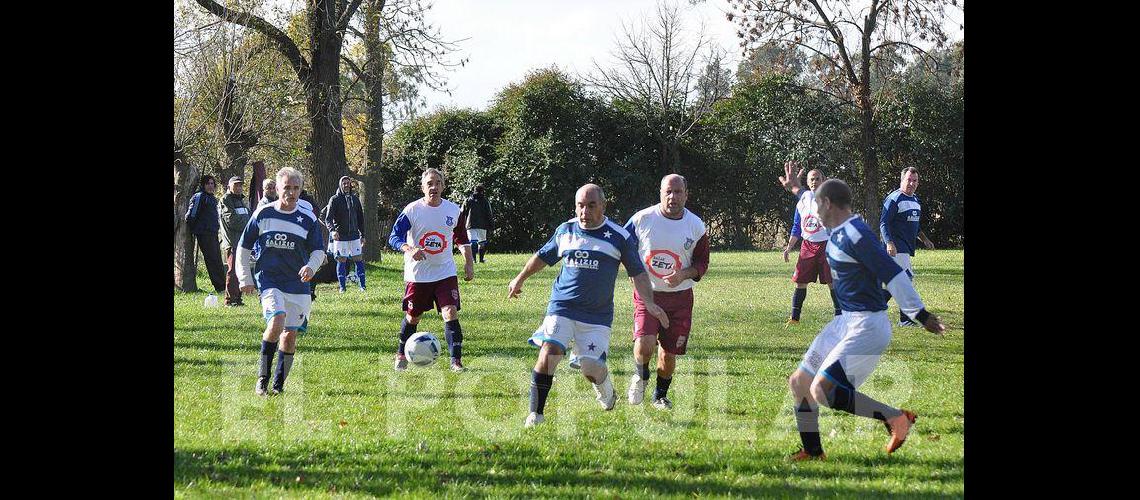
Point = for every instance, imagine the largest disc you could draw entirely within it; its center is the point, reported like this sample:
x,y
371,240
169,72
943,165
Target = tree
x,y
400,47
847,43
319,75
658,74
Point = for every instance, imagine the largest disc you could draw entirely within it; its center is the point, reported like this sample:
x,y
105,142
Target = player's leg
x,y
850,364
297,309
807,415
807,408
341,268
273,308
416,301
447,302
358,259
673,341
591,343
645,328
551,338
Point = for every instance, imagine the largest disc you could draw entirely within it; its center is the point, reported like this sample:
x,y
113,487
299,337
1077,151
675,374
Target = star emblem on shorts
x,y
591,346
607,234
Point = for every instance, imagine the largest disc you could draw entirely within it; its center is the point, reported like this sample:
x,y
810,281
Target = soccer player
x,y
848,348
812,263
898,225
425,231
345,218
581,306
291,248
674,246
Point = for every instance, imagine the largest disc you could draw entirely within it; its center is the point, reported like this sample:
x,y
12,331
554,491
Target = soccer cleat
x,y
341,289
276,390
907,323
575,362
909,415
457,366
262,387
607,395
533,419
663,404
636,390
803,455
401,363
791,322
900,427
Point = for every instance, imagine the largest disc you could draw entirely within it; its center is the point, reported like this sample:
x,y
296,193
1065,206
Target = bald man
x,y
581,307
674,246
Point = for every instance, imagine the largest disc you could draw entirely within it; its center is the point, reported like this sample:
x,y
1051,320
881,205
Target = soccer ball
x,y
422,349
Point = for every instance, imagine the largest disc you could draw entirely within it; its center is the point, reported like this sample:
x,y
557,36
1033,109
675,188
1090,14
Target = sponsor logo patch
x,y
280,240
662,262
433,243
581,260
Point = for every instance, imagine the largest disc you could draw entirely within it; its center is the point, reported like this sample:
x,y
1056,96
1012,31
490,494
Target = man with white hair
x,y
291,248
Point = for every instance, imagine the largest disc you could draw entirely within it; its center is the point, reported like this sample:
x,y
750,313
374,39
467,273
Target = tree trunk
x,y
374,129
237,141
185,180
322,100
867,113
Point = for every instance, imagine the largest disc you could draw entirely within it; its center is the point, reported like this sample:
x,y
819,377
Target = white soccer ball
x,y
422,349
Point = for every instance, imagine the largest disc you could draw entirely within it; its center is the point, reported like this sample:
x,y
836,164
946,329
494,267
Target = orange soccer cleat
x,y
803,455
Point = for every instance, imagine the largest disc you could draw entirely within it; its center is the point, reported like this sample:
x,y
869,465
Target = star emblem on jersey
x,y
591,346
607,234
839,237
300,219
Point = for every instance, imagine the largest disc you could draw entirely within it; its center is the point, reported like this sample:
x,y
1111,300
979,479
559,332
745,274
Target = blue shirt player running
x,y
848,348
898,225
581,307
291,247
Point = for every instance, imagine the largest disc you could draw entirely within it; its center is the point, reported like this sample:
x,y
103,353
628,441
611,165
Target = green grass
x,y
349,426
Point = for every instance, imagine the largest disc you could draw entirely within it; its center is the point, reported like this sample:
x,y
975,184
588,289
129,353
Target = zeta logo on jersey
x,y
581,260
662,262
280,240
811,224
433,243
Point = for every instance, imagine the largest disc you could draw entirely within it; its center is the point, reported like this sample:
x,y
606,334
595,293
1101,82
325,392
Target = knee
x,y
593,369
645,344
412,320
819,391
799,382
449,313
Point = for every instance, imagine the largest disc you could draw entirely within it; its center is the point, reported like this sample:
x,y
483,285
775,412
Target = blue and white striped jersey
x,y
584,288
899,221
860,264
284,243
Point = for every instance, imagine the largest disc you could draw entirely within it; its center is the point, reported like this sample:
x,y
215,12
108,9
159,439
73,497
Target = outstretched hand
x,y
788,181
514,289
934,325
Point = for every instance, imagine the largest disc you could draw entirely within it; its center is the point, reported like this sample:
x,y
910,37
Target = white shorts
x,y
295,307
853,342
477,234
590,341
903,260
349,248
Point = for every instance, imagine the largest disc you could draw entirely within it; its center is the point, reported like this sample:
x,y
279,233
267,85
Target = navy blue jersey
x,y
284,242
898,223
584,288
860,266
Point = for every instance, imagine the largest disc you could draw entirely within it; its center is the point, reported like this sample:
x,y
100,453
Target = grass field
x,y
349,426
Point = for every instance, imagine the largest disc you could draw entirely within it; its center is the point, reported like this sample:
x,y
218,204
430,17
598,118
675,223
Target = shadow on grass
x,y
388,468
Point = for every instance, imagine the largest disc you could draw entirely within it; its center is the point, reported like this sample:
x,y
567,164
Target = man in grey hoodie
x,y
344,217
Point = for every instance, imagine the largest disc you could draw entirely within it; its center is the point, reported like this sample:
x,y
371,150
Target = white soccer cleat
x,y
533,419
663,404
637,390
607,395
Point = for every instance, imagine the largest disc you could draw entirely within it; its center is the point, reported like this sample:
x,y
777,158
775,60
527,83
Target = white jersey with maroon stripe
x,y
666,245
433,230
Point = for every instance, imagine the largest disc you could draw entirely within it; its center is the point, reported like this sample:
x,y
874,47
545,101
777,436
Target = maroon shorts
x,y
812,264
678,307
419,297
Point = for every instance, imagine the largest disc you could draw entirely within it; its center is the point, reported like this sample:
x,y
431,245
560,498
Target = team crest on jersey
x,y
688,243
433,243
450,221
662,262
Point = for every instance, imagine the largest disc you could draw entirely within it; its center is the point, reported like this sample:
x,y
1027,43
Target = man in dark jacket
x,y
480,222
344,218
202,221
234,215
